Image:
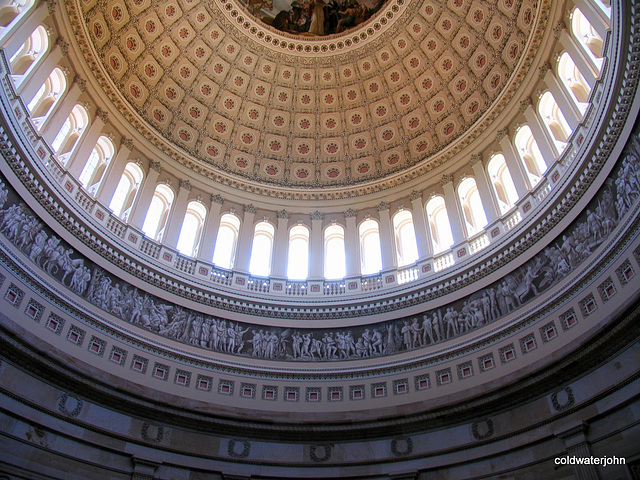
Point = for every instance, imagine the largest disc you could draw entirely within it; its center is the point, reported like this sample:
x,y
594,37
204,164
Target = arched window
x,y
261,249
126,191
472,208
71,131
96,165
30,53
405,235
439,225
554,120
605,6
158,212
576,85
49,94
226,241
370,251
191,230
502,183
10,10
587,37
334,255
298,259
530,154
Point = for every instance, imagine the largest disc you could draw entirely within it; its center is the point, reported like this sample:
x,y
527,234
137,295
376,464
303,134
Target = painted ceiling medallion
x,y
313,18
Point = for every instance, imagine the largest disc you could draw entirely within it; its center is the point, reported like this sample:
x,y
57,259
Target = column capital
x,y
382,206
558,29
217,198
475,158
446,178
250,208
525,103
186,184
500,134
102,115
80,82
64,46
579,430
350,213
157,166
284,214
51,6
415,195
544,68
127,143
317,215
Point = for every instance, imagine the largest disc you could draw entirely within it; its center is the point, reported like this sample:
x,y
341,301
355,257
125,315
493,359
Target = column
x,y
178,211
595,15
243,258
453,211
584,62
31,83
351,243
316,247
17,34
514,164
387,245
144,469
139,210
79,158
211,226
114,172
54,122
420,225
281,244
486,191
545,144
576,443
565,102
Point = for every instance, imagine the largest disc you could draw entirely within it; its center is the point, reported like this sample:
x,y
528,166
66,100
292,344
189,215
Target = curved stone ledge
x,y
568,252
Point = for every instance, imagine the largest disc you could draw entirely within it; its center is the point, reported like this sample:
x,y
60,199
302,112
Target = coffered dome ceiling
x,y
233,98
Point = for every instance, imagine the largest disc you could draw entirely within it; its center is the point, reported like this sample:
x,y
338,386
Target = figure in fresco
x,y
4,194
313,17
296,344
427,330
377,342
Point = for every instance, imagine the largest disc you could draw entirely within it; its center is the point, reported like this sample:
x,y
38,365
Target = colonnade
x,y
442,216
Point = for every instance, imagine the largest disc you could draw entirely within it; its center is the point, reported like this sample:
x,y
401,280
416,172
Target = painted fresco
x,y
313,17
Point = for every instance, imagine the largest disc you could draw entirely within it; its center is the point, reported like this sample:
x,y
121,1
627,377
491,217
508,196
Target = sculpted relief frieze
x,y
571,249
